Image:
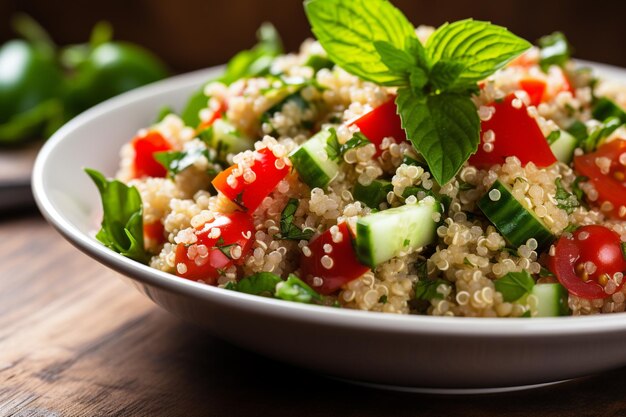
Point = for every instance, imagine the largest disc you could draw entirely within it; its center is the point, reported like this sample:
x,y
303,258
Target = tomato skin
x,y
216,114
154,231
144,164
250,196
516,134
610,186
535,88
235,229
346,266
593,243
381,122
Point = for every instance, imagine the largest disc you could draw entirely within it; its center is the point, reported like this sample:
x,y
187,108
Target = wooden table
x,y
76,341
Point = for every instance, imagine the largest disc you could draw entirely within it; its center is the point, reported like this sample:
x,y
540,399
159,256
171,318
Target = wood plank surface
x,y
76,341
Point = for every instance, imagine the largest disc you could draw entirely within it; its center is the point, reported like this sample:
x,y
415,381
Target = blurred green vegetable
x,y
42,87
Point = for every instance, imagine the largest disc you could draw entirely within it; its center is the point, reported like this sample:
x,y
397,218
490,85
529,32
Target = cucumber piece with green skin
x,y
224,136
311,160
563,147
372,195
383,235
516,223
605,108
551,300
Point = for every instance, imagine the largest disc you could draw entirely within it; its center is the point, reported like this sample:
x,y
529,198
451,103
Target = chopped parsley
x,y
288,230
565,200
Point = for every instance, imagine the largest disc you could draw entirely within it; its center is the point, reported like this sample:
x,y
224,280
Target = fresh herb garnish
x,y
579,130
514,285
224,248
178,161
261,283
294,289
248,63
435,81
564,199
545,272
555,50
601,132
122,221
164,112
426,290
383,299
623,246
578,192
466,186
335,151
239,201
288,230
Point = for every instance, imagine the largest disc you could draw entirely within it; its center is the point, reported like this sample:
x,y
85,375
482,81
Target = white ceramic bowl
x,y
402,351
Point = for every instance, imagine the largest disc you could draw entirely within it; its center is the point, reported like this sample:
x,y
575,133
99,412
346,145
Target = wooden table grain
x,y
76,341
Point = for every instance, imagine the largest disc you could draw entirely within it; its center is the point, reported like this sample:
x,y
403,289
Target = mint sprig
x,y
374,41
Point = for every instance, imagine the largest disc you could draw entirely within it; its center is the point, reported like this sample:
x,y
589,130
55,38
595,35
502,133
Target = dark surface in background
x,y
191,34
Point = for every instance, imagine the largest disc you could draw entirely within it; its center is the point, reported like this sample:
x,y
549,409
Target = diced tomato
x,y
144,164
217,113
610,184
213,252
380,123
516,134
589,262
268,172
154,231
535,88
340,255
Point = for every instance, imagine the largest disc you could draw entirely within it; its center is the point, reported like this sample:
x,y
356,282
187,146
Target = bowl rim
x,y
321,315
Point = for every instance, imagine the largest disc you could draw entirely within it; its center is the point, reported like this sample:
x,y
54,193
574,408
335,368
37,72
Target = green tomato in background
x,y
29,76
112,68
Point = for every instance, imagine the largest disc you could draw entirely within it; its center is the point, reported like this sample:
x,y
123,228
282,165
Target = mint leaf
x,y
482,47
555,50
395,59
514,285
122,221
444,74
444,128
348,31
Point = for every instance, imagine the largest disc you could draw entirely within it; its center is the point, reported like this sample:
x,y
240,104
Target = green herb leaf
x,y
294,289
397,60
261,283
427,289
444,128
445,73
514,285
122,221
335,151
555,50
165,111
178,161
349,30
288,230
565,200
545,272
248,63
482,47
598,134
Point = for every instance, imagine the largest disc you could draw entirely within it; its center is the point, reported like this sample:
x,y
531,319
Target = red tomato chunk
x,y
334,262
144,164
380,123
220,243
513,133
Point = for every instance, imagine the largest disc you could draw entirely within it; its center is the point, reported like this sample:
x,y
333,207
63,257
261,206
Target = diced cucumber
x,y
311,161
381,236
605,108
563,147
552,300
225,138
516,223
372,195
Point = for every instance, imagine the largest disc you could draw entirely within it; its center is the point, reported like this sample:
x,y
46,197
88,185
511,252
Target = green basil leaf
x,y
555,50
348,31
294,289
261,283
444,128
481,46
514,285
122,221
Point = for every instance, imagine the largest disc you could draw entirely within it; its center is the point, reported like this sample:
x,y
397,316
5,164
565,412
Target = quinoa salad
x,y
451,171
